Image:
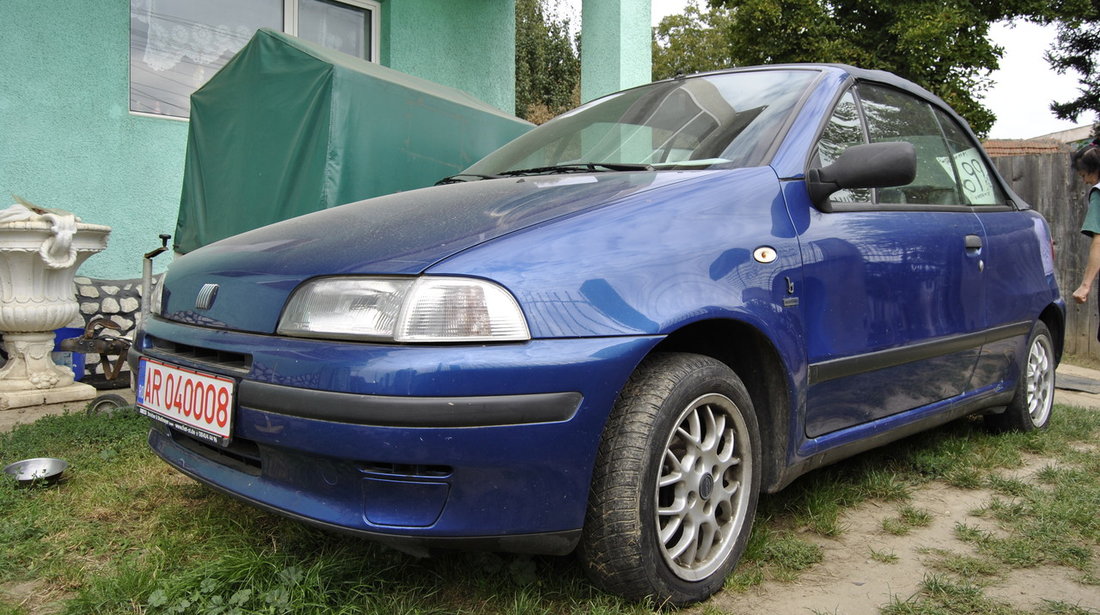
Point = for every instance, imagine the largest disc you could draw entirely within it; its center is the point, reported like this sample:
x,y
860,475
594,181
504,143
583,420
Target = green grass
x,y
1051,523
939,595
883,556
124,533
942,594
908,518
963,566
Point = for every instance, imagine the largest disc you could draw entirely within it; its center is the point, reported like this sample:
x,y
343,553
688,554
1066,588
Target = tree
x,y
548,65
942,45
1077,47
693,42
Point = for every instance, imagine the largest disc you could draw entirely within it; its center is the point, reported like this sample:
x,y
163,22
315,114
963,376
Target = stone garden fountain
x,y
40,251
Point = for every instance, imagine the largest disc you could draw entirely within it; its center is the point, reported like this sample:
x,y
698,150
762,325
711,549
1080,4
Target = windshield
x,y
727,120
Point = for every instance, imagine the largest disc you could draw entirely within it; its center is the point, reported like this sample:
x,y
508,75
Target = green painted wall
x,y
68,141
616,50
469,45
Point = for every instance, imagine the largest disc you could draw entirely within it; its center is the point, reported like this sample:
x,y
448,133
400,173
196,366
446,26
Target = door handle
x,y
973,242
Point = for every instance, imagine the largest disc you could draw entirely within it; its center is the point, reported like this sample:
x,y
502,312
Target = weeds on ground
x,y
1053,522
883,556
963,566
964,455
773,554
941,594
123,533
908,518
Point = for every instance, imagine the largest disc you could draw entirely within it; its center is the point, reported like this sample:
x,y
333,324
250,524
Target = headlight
x,y
427,309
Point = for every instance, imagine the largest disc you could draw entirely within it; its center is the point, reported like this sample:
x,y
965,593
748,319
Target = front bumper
x,y
467,446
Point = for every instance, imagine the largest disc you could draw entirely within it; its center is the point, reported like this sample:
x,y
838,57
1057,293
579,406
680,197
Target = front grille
x,y
244,455
219,359
241,455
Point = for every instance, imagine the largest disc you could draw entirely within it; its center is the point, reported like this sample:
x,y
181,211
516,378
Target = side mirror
x,y
872,165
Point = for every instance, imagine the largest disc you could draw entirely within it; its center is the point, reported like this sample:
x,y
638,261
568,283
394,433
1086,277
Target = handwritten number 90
x,y
974,180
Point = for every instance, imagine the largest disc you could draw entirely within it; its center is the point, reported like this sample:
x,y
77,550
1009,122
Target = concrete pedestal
x,y
74,393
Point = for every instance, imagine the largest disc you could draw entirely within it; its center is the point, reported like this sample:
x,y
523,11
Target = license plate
x,y
195,403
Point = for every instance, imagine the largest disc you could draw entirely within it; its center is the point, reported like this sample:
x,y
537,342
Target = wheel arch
x,y
753,357
1054,317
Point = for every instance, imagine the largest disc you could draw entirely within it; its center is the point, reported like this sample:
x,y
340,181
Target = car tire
x,y
1030,408
653,528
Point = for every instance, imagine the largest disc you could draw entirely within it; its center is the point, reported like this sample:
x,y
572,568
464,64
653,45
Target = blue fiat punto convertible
x,y
615,332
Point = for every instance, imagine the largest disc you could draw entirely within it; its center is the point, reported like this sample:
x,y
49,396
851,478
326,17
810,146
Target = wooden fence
x,y
1052,188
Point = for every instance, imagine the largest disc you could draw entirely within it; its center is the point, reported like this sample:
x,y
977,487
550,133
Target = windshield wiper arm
x,y
457,179
581,167
575,167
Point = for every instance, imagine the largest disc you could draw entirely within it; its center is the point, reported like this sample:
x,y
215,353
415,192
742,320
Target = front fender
x,y
652,264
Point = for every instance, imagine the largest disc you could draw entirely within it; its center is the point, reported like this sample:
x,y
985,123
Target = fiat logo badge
x,y
206,296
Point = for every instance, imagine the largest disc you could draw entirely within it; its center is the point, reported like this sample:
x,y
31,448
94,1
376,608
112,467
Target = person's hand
x,y
1081,295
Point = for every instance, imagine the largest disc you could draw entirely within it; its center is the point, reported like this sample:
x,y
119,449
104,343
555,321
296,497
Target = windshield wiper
x,y
580,167
457,179
573,167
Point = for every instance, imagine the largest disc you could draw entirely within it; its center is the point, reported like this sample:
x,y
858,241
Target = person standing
x,y
1086,161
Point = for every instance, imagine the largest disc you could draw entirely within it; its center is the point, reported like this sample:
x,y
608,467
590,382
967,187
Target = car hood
x,y
399,234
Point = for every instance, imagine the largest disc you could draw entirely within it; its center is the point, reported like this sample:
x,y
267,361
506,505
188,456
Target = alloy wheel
x,y
703,488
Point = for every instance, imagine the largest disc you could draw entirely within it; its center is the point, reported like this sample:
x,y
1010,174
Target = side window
x,y
843,131
892,115
975,178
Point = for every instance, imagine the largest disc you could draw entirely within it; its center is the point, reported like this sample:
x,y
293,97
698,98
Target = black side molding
x,y
850,366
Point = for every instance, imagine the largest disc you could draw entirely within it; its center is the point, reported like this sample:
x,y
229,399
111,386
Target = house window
x,y
176,45
338,26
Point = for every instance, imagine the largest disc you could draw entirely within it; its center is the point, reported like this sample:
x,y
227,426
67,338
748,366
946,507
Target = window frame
x,y
853,86
290,20
815,152
942,117
290,26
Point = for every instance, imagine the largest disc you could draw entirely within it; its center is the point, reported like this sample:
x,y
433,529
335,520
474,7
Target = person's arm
x,y
1092,267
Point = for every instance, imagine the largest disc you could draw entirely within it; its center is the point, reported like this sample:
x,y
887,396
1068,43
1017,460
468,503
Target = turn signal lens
x,y
460,310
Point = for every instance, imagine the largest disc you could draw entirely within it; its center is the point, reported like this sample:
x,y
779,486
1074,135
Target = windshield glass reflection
x,y
727,120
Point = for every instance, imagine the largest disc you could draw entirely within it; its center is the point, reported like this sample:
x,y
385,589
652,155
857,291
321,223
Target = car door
x,y
1018,264
892,295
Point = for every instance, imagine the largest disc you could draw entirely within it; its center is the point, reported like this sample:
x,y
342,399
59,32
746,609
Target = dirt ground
x,y
849,582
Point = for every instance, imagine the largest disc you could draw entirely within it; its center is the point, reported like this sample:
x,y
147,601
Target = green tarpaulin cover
x,y
288,127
